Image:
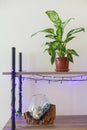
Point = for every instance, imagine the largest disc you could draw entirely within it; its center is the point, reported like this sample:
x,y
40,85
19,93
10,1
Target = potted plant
x,y
57,48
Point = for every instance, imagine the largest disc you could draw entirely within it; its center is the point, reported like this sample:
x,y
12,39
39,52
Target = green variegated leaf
x,y
53,57
48,30
66,22
69,39
69,56
49,51
34,34
50,36
47,43
73,52
54,17
76,30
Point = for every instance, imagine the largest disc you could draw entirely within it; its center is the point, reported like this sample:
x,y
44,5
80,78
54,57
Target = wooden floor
x,y
77,122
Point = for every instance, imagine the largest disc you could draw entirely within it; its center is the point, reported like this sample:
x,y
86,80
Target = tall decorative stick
x,y
13,91
20,84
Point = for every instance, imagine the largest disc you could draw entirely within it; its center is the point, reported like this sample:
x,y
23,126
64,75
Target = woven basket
x,y
48,117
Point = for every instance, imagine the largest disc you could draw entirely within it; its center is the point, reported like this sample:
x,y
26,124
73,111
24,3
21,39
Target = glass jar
x,y
39,105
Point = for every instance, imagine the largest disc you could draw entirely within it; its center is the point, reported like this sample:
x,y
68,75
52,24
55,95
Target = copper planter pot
x,y
62,64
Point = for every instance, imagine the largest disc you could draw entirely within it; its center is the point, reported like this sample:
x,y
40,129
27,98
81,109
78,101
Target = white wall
x,y
18,20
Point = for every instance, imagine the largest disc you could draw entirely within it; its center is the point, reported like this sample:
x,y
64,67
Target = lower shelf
x,y
72,122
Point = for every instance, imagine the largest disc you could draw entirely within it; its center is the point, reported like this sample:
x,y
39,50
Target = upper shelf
x,y
52,76
48,73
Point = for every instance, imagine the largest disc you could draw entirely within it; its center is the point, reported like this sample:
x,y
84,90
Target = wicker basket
x,y
48,117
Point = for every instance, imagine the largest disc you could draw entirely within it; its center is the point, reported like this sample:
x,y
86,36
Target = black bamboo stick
x,y
20,84
13,125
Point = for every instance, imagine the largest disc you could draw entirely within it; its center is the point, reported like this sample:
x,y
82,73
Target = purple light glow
x,y
60,79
